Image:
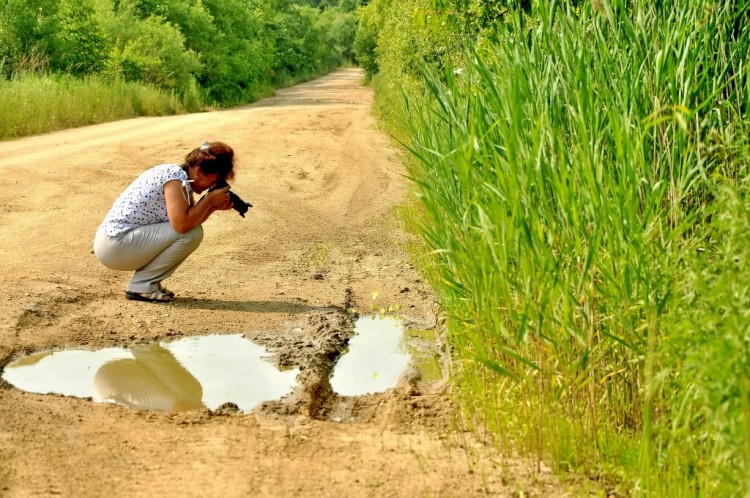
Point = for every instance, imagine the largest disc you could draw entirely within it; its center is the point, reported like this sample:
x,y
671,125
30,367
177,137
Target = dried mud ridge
x,y
314,346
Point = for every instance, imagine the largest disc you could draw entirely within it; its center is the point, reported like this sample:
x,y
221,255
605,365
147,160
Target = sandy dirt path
x,y
321,238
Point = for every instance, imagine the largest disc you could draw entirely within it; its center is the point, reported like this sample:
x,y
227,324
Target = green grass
x,y
582,204
37,103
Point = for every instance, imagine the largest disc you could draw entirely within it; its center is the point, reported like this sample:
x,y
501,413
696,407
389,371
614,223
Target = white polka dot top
x,y
143,202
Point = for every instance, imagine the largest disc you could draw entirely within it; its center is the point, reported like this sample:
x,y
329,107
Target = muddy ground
x,y
321,239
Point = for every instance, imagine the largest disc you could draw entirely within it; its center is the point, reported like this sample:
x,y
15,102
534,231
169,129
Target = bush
x,y
151,51
81,46
27,34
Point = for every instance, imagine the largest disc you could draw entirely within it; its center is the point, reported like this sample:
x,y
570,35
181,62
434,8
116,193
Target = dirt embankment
x,y
321,238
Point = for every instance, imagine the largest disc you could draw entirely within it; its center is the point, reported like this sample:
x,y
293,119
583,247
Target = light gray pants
x,y
154,252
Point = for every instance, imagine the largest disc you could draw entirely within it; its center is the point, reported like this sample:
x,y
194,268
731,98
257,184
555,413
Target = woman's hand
x,y
218,199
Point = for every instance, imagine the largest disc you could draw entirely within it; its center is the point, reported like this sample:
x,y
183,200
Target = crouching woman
x,y
155,224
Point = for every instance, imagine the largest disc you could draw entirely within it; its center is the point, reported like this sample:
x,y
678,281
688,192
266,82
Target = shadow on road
x,y
249,306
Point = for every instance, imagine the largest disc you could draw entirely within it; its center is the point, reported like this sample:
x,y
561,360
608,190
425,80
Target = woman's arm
x,y
185,217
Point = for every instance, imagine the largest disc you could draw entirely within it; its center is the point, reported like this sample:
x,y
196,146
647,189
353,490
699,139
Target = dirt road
x,y
321,238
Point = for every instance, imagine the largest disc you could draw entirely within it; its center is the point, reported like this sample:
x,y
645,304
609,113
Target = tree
x,y
238,58
27,30
81,45
366,40
151,50
299,43
341,27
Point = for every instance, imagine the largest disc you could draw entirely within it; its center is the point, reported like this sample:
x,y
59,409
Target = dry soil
x,y
321,239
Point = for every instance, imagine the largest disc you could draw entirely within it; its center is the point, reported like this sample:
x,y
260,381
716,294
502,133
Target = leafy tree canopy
x,y
233,50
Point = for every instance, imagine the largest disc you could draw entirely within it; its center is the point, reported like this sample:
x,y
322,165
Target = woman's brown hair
x,y
213,157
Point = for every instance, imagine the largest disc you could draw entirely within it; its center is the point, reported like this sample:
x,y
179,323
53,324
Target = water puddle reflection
x,y
187,373
376,358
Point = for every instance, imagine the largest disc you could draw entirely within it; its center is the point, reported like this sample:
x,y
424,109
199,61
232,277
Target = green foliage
x,y
703,364
348,5
27,34
341,5
298,44
339,28
217,52
366,39
46,103
81,46
570,167
225,52
399,38
477,17
238,56
151,51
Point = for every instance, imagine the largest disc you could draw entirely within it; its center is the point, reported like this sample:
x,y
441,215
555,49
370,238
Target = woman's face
x,y
203,181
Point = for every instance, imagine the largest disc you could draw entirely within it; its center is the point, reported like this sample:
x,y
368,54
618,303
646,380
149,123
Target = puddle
x,y
188,373
376,357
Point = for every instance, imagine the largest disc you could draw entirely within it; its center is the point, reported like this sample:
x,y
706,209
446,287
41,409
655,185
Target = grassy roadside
x,y
37,104
41,103
582,206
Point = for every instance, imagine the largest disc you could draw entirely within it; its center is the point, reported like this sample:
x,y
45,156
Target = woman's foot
x,y
165,291
154,297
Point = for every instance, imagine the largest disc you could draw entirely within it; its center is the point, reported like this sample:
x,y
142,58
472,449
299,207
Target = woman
x,y
155,224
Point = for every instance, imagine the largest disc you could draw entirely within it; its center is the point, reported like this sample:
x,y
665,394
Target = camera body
x,y
237,203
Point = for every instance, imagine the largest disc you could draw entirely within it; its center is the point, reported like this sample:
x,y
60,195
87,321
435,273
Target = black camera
x,y
237,203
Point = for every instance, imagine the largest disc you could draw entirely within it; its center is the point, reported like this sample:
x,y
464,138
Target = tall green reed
x,y
566,184
702,444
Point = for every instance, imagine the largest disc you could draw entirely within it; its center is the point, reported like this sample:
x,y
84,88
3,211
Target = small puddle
x,y
188,373
376,357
